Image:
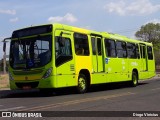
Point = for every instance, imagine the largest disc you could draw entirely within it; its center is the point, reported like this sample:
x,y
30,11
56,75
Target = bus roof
x,y
104,34
86,31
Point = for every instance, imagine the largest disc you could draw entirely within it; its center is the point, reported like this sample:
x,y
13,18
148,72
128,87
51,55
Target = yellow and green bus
x,y
56,56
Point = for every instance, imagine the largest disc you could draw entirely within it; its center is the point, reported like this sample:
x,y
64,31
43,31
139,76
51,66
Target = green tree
x,y
150,33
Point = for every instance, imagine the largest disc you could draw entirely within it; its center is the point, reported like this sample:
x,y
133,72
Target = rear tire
x,y
82,84
134,81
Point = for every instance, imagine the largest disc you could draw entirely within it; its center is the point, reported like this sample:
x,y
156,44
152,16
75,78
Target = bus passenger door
x,y
97,60
64,59
144,59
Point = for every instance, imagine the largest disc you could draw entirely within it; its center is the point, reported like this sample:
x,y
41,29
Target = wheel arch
x,y
136,71
87,75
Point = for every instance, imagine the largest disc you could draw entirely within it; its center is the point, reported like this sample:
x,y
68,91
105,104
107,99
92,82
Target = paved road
x,y
110,97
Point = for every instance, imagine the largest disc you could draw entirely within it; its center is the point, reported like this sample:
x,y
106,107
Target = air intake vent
x,y
72,67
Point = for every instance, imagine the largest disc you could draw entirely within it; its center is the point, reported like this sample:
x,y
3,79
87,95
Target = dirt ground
x,y
4,81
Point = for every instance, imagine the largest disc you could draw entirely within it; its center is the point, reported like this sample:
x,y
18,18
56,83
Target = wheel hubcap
x,y
82,84
134,80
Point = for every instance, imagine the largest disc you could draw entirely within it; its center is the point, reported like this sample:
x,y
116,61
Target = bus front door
x,y
64,63
97,60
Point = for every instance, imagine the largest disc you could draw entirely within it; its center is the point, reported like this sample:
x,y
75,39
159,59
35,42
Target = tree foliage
x,y
150,33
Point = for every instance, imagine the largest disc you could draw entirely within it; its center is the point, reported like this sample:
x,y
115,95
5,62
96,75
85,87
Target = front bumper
x,y
32,84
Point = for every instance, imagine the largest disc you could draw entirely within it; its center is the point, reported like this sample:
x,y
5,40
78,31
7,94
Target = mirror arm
x,y
4,56
6,39
61,34
4,43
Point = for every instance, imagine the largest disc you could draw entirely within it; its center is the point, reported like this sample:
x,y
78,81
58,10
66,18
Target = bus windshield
x,y
30,52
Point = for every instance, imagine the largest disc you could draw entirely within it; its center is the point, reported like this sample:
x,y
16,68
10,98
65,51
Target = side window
x,y
143,51
93,45
137,51
131,50
63,50
150,53
121,49
110,48
99,46
81,44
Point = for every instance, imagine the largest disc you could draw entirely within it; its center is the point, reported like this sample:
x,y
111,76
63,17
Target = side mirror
x,y
61,40
4,47
4,43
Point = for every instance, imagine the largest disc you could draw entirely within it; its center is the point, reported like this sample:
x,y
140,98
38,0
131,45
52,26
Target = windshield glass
x,y
31,52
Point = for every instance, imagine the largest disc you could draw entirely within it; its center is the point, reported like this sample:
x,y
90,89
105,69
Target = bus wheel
x,y
82,84
134,81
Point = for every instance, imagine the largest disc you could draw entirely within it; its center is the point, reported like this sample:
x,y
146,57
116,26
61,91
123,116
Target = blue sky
x,y
118,16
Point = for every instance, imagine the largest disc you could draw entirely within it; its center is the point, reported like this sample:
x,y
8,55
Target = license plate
x,y
26,87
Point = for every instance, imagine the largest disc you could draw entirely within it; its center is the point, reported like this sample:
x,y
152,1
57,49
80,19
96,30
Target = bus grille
x,y
31,84
27,72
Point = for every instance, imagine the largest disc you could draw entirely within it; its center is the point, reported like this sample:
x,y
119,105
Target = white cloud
x,y
11,12
14,19
116,7
138,7
69,18
153,21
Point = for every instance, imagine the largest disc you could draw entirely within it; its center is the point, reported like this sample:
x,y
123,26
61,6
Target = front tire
x,y
134,81
82,84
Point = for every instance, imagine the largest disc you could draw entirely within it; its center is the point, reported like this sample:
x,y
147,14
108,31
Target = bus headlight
x,y
10,76
47,74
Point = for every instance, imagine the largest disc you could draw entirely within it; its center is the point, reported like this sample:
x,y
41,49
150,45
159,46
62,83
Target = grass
x,y
4,81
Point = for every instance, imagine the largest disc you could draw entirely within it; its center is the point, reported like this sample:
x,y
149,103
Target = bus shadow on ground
x,y
19,93
112,86
63,91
